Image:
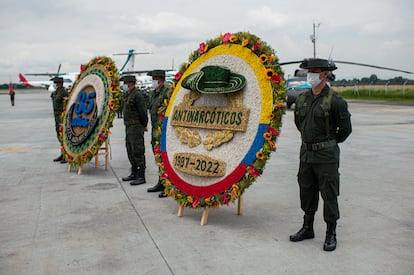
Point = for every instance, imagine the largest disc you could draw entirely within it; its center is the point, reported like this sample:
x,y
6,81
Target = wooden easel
x,y
104,150
204,216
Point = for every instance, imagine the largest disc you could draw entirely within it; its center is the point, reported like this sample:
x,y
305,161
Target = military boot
x,y
59,158
306,232
330,239
140,179
156,188
133,175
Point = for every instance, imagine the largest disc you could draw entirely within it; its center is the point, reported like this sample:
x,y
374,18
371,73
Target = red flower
x,y
256,46
195,203
164,176
157,150
201,48
101,136
272,131
275,78
254,172
226,38
82,68
178,76
225,199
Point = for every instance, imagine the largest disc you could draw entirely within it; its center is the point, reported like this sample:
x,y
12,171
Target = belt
x,y
319,145
131,122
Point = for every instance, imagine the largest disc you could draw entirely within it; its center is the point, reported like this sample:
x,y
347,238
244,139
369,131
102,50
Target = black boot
x,y
133,175
59,158
330,240
306,232
156,188
140,179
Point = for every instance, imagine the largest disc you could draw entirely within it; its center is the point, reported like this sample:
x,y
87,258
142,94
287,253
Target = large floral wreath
x,y
275,75
105,69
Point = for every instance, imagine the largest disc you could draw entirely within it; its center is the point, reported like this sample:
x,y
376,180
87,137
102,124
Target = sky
x,y
37,36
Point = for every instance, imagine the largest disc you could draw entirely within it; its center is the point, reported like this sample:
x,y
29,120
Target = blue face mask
x,y
313,79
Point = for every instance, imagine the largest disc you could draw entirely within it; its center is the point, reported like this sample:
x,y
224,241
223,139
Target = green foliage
x,y
379,94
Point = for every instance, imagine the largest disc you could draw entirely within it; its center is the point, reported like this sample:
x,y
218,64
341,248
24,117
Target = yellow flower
x,y
260,155
233,38
190,199
269,73
110,73
178,196
267,136
245,42
263,58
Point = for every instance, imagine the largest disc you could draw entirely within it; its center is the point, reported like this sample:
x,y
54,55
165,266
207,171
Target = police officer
x,y
156,99
135,120
58,99
323,119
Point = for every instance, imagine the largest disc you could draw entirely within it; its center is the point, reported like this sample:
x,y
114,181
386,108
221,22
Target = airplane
x,y
68,80
144,81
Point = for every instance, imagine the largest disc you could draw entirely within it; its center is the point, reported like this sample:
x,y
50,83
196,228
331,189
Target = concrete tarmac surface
x,y
57,222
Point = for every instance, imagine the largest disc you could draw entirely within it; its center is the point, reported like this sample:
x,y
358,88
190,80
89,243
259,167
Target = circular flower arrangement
x,y
265,67
90,110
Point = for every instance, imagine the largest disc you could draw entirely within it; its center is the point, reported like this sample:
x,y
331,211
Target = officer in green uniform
x,y
323,119
156,99
135,120
58,100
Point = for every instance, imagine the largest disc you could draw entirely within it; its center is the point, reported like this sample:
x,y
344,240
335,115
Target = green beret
x,y
156,73
324,64
128,78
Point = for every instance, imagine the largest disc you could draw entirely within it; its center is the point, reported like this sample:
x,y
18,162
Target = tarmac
x,y
53,221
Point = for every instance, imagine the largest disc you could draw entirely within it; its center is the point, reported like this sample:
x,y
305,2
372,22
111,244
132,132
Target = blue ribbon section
x,y
164,134
250,157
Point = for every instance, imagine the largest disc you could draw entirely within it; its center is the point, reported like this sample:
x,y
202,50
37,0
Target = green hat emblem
x,y
214,79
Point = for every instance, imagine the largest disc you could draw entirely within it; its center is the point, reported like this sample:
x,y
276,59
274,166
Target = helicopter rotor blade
x,y
372,66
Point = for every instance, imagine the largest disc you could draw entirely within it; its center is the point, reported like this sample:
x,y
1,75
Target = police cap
x,y
57,79
324,64
128,78
157,73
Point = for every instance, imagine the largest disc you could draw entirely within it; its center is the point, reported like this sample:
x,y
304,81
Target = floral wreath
x,y
106,71
274,74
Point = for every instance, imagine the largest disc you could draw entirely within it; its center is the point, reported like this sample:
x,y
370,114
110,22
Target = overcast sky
x,y
37,36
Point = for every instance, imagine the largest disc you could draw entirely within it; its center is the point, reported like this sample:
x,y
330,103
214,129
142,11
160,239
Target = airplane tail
x,y
23,80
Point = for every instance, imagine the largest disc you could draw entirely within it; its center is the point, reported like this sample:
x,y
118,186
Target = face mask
x,y
313,79
52,88
125,87
154,84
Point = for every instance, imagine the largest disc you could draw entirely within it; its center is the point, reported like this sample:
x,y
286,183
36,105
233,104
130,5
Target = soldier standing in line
x,y
156,98
58,99
135,120
323,119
